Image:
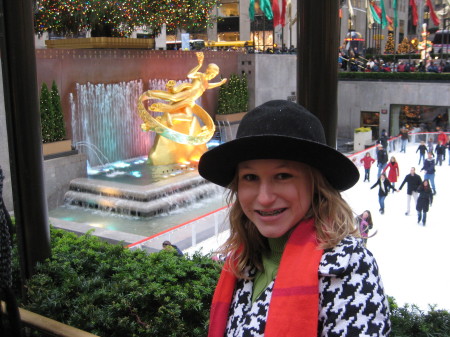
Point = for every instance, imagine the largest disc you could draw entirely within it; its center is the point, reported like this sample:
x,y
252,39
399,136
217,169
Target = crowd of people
x,y
422,191
357,63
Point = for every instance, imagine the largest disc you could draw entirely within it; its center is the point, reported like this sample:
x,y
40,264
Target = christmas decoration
x,y
52,119
46,110
120,17
59,129
233,95
390,47
406,47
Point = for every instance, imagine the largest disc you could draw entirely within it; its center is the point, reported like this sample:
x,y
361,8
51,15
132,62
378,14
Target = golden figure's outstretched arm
x,y
217,84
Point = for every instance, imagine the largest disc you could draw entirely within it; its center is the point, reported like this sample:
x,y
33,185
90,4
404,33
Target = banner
x,y
415,16
433,15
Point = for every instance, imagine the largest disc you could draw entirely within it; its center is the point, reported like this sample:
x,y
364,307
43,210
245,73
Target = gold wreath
x,y
153,124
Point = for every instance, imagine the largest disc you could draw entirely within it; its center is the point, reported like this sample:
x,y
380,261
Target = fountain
x,y
121,186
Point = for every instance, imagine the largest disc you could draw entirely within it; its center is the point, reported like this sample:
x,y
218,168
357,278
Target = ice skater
x,y
413,182
422,149
394,171
424,202
384,186
429,166
367,161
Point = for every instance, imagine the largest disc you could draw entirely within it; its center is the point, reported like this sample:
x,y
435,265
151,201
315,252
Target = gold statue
x,y
180,138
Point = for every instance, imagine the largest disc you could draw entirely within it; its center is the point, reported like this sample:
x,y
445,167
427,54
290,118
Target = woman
x,y
424,201
364,222
289,229
394,171
367,160
384,186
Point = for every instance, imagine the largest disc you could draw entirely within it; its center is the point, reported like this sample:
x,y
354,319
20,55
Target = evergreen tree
x,y
59,130
403,47
46,111
244,93
390,47
233,95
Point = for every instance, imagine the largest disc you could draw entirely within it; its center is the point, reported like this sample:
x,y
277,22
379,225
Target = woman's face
x,y
425,183
274,194
365,215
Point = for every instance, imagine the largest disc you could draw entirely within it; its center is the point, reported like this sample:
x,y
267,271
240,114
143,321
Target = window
x,y
229,8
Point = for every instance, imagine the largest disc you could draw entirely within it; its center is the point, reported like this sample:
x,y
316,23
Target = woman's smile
x,y
274,194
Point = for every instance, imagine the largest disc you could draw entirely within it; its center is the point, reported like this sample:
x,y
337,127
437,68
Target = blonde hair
x,y
333,217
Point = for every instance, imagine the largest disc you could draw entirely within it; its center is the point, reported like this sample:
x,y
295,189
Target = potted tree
x,y
52,122
233,99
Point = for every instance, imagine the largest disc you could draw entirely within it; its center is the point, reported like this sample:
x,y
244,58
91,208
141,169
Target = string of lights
x,y
121,17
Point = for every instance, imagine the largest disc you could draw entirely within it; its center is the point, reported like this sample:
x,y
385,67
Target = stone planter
x,y
228,125
361,139
102,42
231,118
57,147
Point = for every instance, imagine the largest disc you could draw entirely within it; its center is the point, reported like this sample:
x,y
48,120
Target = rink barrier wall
x,y
394,143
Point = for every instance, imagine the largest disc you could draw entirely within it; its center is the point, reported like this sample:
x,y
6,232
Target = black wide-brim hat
x,y
279,130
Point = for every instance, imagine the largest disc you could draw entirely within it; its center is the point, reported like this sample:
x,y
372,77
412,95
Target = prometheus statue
x,y
180,137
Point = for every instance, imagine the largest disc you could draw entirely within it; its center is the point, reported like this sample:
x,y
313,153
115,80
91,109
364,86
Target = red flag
x,y
283,13
379,12
276,13
415,17
432,13
279,14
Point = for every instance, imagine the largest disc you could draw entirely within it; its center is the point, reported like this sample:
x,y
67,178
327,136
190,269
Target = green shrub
x,y
112,291
233,95
362,129
409,320
52,118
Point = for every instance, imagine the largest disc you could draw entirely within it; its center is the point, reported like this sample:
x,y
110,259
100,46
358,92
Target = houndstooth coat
x,y
351,297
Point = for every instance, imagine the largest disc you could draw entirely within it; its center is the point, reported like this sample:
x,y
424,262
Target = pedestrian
x,y
394,171
382,159
448,146
168,246
383,140
413,182
440,153
384,185
422,149
364,222
442,137
292,257
404,136
429,166
367,161
430,146
424,202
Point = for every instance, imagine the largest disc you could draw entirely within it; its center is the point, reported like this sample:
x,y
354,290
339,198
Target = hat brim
x,y
219,165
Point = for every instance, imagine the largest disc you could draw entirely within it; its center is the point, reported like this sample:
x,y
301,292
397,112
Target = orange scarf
x,y
294,308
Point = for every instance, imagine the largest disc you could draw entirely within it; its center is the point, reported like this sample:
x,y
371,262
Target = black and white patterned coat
x,y
351,297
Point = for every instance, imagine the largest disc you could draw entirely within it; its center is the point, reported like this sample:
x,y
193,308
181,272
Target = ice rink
x,y
414,261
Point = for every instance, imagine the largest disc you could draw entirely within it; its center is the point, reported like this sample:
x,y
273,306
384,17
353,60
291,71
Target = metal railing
x,y
189,233
394,144
47,326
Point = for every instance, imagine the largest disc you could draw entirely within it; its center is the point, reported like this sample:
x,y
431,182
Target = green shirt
x,y
271,261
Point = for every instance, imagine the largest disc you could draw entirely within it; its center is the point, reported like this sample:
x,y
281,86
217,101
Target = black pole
x,y
318,43
24,132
